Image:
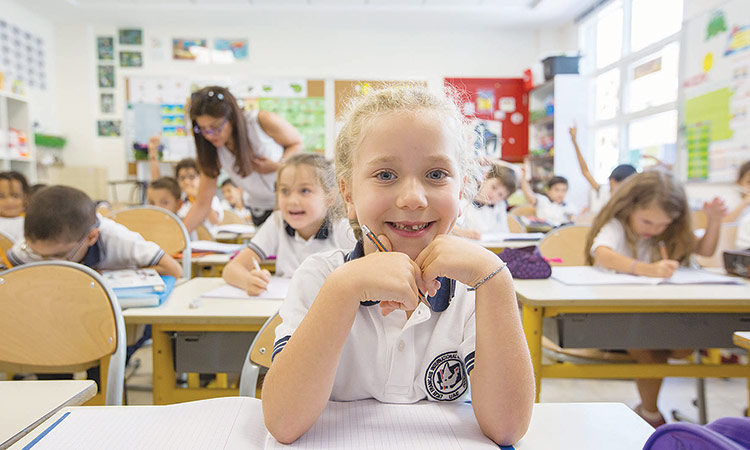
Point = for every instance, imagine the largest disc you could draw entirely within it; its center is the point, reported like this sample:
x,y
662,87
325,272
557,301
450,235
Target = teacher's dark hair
x,y
218,102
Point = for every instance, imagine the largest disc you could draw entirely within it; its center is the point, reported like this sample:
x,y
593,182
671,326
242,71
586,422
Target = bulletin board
x,y
344,90
157,105
715,97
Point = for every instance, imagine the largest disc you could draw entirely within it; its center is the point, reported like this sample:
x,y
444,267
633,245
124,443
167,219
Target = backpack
x,y
727,433
526,263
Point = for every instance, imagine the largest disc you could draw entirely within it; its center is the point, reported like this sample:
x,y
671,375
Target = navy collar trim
x,y
323,232
438,303
479,204
93,255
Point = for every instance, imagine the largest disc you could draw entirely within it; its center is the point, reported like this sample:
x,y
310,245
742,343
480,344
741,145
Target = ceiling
x,y
419,14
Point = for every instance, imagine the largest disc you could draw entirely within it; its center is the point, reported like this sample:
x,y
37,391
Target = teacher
x,y
250,146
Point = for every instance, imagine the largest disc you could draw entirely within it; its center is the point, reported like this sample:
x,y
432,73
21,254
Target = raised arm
x,y
153,156
715,211
202,207
582,162
526,188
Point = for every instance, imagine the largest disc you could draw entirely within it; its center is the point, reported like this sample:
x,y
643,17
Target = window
x,y
630,54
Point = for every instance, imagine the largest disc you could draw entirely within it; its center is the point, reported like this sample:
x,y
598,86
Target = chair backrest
x,y
523,210
514,226
160,226
203,233
230,217
699,219
259,355
727,241
58,316
566,243
6,242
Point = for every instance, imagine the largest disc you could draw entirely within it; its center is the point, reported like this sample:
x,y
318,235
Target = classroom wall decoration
x,y
716,92
108,128
21,59
107,103
106,76
105,48
234,49
130,36
189,49
131,59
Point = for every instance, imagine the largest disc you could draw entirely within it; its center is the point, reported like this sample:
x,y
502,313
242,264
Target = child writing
x,y
165,193
233,200
403,165
645,230
488,212
62,224
308,221
14,197
551,206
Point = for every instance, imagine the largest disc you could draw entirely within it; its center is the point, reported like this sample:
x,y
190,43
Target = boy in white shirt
x,y
233,201
551,206
488,212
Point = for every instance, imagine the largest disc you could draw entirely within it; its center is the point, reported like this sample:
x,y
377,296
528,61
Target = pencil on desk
x,y
663,250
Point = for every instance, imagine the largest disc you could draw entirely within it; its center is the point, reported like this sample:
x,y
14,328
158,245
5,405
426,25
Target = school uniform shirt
x,y
599,198
391,359
242,213
116,248
485,218
612,235
743,233
734,200
215,206
258,189
13,227
276,237
554,214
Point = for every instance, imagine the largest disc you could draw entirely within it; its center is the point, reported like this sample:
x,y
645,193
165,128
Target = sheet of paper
x,y
218,247
686,275
590,276
236,228
130,278
370,424
495,237
277,288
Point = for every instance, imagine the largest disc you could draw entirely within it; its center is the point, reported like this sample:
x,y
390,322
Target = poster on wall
x,y
230,50
108,128
107,103
106,76
105,48
130,36
131,59
21,59
190,49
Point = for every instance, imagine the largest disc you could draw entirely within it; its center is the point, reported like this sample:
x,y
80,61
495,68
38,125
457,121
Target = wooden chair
x,y
6,242
514,226
59,317
259,355
567,244
160,226
230,217
523,210
727,241
203,233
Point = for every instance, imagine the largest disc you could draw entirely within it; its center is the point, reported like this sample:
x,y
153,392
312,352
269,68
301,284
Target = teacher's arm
x,y
284,134
202,207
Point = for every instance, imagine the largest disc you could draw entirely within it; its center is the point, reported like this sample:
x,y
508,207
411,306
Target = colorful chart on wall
x,y
716,92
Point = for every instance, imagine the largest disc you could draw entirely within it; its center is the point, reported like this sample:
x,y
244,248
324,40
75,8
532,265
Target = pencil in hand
x,y
663,250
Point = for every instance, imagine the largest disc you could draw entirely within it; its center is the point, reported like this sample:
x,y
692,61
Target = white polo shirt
x,y
215,206
276,237
13,227
116,248
391,359
612,235
553,213
485,218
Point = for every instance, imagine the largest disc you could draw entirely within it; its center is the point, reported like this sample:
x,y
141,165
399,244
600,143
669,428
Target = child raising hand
x,y
354,326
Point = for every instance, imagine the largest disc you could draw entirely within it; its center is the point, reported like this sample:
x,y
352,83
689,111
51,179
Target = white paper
x,y
132,278
277,289
218,247
590,276
236,228
498,237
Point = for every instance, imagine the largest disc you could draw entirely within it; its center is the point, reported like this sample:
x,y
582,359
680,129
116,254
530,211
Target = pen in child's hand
x,y
663,250
255,264
381,248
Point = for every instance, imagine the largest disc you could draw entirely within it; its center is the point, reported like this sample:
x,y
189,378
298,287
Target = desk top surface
x,y
550,292
580,426
217,311
26,404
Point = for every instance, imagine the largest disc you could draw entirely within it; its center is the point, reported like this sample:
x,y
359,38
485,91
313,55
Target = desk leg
x,y
532,328
164,374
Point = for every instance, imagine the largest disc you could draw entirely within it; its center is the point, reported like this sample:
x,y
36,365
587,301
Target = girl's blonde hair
x,y
415,99
652,187
323,171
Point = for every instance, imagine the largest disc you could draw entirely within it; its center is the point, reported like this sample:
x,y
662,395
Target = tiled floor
x,y
726,397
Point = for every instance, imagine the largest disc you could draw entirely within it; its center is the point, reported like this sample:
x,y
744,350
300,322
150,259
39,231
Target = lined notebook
x,y
237,423
589,276
278,287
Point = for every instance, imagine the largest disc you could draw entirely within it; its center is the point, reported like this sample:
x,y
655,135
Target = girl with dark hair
x,y
250,146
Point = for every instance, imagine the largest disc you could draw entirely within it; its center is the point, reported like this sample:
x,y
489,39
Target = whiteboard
x,y
715,98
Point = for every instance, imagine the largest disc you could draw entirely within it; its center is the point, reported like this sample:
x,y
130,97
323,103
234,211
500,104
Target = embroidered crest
x,y
446,378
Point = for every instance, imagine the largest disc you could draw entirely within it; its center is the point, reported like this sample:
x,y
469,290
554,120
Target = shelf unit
x,y
14,113
551,151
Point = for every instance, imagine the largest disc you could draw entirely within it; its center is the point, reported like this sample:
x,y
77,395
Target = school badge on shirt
x,y
446,377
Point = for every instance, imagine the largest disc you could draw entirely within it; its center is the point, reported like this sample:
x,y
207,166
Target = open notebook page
x,y
589,276
277,288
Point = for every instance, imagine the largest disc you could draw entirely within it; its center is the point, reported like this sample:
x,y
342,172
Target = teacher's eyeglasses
x,y
213,131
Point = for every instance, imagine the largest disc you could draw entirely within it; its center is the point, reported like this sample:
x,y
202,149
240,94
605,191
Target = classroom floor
x,y
726,396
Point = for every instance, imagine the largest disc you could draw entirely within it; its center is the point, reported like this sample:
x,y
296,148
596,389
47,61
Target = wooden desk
x,y
559,426
742,339
213,265
550,298
233,238
212,314
26,404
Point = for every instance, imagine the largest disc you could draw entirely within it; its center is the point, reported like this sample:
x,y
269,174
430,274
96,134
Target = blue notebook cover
x,y
145,296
